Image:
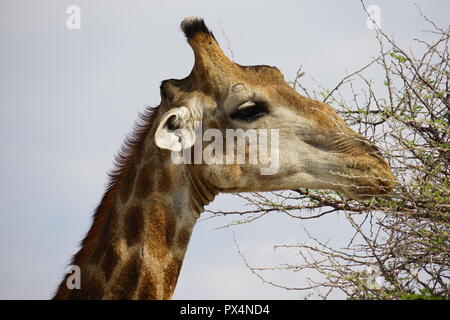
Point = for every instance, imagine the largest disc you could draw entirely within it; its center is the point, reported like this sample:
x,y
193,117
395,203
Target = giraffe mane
x,y
127,154
130,147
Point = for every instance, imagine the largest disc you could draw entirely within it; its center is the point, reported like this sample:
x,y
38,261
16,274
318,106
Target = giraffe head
x,y
311,144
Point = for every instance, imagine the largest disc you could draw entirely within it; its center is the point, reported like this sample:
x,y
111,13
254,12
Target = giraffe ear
x,y
175,131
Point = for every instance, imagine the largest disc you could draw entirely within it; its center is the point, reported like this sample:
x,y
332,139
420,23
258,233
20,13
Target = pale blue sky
x,y
68,98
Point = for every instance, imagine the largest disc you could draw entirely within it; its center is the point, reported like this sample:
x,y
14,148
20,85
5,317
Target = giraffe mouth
x,y
366,182
357,167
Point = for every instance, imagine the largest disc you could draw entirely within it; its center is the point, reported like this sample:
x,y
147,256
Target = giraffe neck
x,y
138,247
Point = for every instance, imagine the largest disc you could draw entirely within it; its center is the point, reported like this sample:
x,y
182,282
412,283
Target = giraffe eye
x,y
250,111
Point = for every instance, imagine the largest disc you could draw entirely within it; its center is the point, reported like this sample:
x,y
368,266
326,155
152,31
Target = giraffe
x,y
142,226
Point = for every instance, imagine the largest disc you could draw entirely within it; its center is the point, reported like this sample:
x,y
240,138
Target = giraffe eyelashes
x,y
250,111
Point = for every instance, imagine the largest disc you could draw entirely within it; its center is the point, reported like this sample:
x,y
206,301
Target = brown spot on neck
x,y
171,276
107,234
162,224
183,237
144,183
148,290
134,225
165,182
127,186
110,261
126,283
